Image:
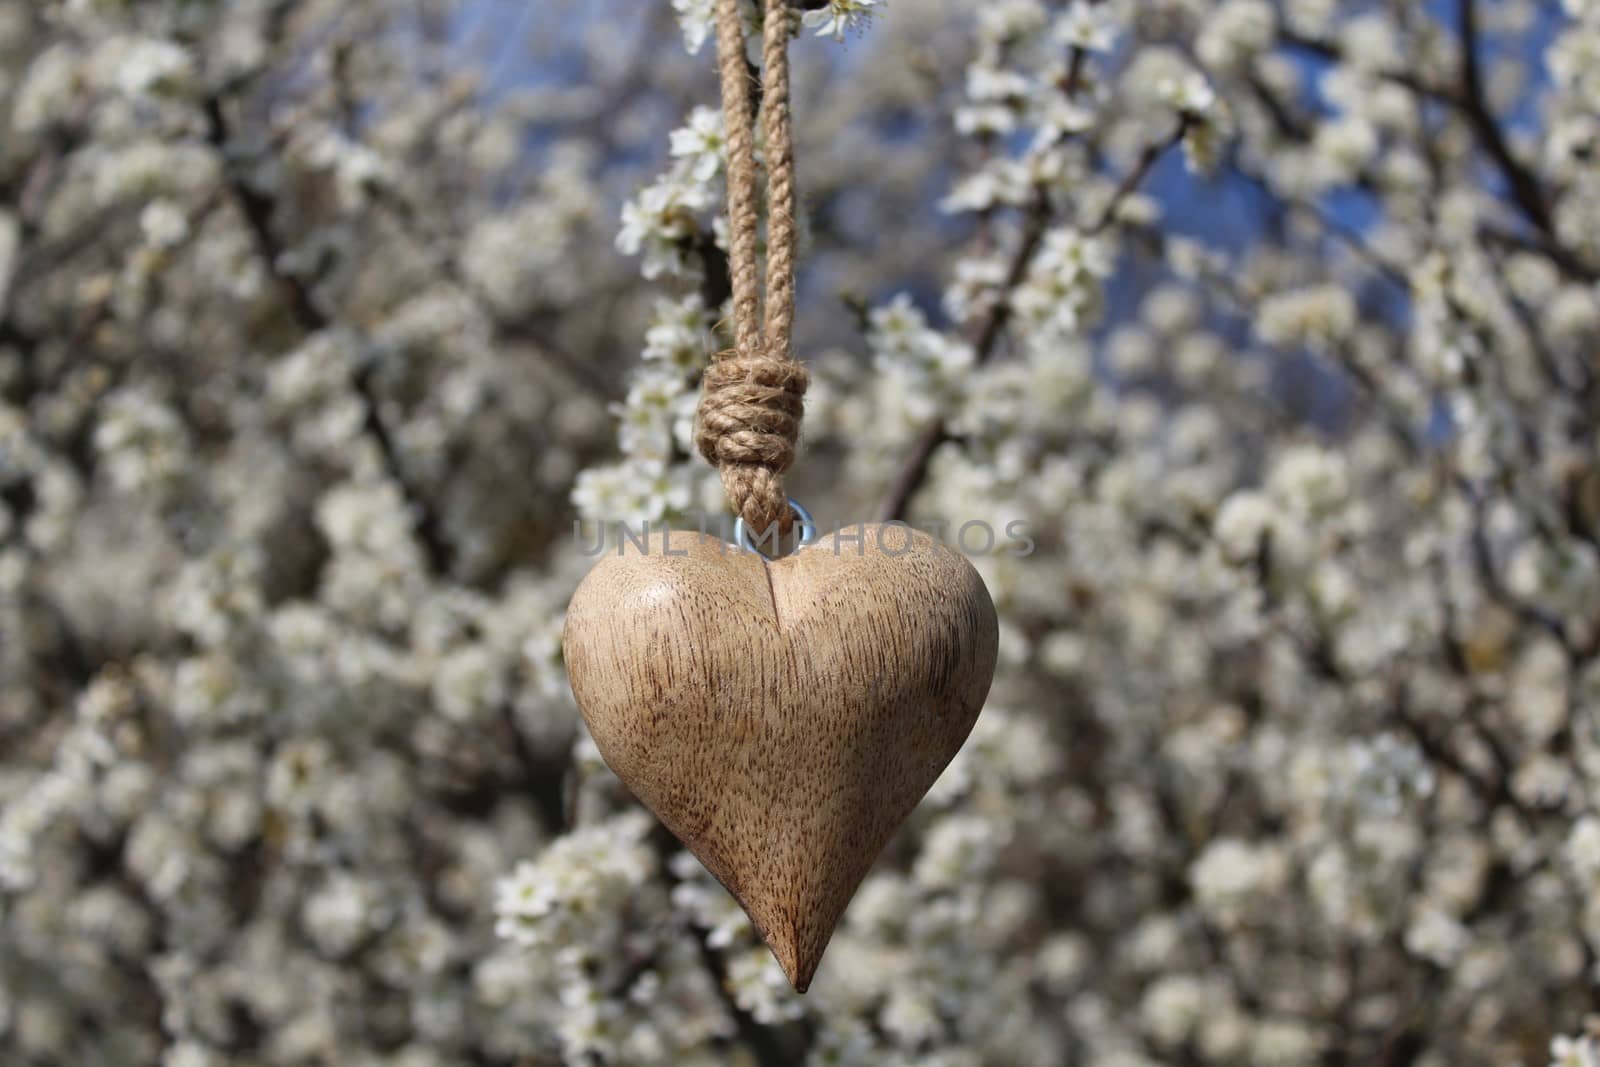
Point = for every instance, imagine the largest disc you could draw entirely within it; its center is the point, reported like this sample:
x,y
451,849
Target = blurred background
x,y
1275,321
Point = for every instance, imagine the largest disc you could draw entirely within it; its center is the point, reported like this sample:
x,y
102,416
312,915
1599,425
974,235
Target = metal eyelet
x,y
807,525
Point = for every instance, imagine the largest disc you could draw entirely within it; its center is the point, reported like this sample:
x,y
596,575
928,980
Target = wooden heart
x,y
783,717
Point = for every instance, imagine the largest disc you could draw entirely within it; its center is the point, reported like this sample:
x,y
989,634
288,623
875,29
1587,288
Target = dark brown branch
x,y
1141,170
913,473
257,210
1345,235
523,331
1526,189
1471,101
1483,560
543,782
1285,121
715,284
915,470
762,1042
766,1044
1563,257
1328,50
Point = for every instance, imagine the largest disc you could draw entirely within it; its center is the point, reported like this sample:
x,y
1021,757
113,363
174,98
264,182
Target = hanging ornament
x,y
781,717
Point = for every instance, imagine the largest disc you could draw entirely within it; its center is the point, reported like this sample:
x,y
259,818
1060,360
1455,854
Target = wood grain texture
x,y
782,718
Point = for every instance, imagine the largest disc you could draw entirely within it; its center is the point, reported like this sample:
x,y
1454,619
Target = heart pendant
x,y
783,717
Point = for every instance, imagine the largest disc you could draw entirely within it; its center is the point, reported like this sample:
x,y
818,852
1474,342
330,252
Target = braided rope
x,y
752,398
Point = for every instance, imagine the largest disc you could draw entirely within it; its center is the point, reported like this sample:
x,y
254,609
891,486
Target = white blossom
x,y
1087,25
697,19
320,324
838,17
700,144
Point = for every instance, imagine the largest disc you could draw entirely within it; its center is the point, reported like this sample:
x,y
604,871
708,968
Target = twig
x,y
1329,50
547,790
1471,102
1526,189
1563,257
257,210
762,1041
1483,560
524,331
915,469
1141,170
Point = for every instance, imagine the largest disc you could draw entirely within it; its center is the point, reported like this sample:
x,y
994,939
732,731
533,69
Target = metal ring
x,y
808,529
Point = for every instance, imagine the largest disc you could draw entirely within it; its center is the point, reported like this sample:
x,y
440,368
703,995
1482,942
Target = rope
x,y
753,397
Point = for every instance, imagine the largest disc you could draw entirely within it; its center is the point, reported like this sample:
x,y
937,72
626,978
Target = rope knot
x,y
747,427
750,411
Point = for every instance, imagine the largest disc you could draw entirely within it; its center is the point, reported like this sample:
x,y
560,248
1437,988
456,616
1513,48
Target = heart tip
x,y
800,981
799,971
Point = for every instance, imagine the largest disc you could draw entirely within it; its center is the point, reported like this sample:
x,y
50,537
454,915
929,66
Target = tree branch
x,y
523,331
258,209
765,1044
543,783
1526,189
915,469
1471,101
1141,170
